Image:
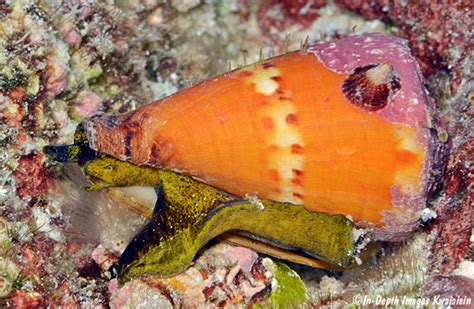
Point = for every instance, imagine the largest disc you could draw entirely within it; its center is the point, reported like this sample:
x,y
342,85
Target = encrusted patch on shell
x,y
398,97
349,54
372,87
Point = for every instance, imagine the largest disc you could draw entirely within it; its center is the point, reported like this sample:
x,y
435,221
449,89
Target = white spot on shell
x,y
284,136
376,51
413,101
262,79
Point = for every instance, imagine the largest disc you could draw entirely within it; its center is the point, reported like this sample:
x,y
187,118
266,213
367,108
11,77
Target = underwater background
x,y
64,61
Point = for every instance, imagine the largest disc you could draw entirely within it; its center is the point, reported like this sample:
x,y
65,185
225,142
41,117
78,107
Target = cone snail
x,y
343,128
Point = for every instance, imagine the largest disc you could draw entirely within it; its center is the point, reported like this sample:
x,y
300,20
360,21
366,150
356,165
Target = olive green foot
x,y
189,213
167,245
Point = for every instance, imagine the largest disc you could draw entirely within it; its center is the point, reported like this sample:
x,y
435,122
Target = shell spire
x,y
345,128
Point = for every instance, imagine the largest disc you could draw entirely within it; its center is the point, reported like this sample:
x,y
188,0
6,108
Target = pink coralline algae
x,y
439,32
56,78
70,35
459,176
276,15
15,115
32,179
455,289
223,276
88,104
27,300
103,257
301,11
243,257
456,219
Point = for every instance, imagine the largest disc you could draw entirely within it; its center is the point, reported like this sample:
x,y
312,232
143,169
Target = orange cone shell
x,y
282,130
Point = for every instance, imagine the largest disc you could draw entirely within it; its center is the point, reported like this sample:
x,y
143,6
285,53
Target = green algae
x,y
33,85
81,64
287,288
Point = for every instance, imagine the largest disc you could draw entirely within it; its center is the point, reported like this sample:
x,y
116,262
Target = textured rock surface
x,y
456,215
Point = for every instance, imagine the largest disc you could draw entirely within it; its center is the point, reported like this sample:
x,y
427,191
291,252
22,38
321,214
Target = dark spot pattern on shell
x,y
296,149
363,91
267,65
297,172
291,119
131,129
298,195
128,144
277,79
161,153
